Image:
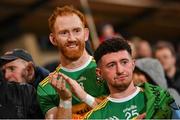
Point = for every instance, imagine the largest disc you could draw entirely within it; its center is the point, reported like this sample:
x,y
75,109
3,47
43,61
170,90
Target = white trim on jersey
x,y
79,68
124,99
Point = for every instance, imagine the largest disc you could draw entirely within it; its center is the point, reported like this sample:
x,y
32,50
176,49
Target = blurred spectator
x,y
164,51
143,47
133,47
150,70
177,54
107,32
18,101
18,66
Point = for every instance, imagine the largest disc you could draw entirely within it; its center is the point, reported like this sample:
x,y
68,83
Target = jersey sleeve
x,y
47,97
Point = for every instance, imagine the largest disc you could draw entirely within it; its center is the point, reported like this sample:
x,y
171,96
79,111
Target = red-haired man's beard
x,y
73,50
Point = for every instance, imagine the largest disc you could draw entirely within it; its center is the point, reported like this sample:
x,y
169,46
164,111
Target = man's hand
x,y
75,87
57,81
60,86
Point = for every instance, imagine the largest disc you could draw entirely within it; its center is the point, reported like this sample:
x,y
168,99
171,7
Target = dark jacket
x,y
175,81
18,101
40,74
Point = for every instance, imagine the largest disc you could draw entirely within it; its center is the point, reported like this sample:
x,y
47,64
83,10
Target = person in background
x,y
107,32
127,101
18,101
150,70
177,46
18,66
165,53
142,47
68,34
133,47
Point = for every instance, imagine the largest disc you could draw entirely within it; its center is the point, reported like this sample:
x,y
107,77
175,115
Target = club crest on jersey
x,y
82,78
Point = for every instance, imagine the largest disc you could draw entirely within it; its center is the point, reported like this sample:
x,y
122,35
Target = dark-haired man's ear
x,y
99,76
98,72
30,72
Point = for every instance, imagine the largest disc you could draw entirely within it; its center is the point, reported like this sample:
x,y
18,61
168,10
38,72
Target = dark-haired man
x,y
127,101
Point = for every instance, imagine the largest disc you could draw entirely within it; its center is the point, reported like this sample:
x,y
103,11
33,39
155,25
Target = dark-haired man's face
x,y
117,69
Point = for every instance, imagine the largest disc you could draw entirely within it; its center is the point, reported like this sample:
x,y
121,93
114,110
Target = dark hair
x,y
111,45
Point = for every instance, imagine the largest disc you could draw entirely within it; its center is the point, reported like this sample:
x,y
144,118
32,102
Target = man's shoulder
x,y
97,109
42,70
90,63
45,81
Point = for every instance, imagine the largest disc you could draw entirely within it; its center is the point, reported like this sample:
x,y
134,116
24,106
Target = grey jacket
x,y
154,70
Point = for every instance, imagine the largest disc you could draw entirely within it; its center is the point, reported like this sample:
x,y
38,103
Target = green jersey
x,y
152,100
84,75
125,108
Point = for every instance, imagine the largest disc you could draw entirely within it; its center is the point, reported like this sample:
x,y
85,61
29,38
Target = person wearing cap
x,y
18,100
18,66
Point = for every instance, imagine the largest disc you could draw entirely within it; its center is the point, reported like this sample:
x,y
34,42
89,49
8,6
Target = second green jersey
x,y
115,109
152,100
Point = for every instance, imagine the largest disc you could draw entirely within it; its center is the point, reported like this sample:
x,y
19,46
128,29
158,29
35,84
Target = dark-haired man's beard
x,y
73,53
122,86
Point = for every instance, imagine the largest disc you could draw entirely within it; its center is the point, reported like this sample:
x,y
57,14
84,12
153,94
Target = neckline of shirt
x,y
79,68
126,98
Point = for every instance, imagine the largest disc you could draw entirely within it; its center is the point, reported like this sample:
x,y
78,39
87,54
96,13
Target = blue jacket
x,y
40,74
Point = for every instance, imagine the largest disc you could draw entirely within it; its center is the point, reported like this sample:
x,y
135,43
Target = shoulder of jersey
x,y
98,107
46,80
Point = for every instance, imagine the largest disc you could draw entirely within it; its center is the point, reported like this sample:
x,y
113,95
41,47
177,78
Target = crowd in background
x,y
156,63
